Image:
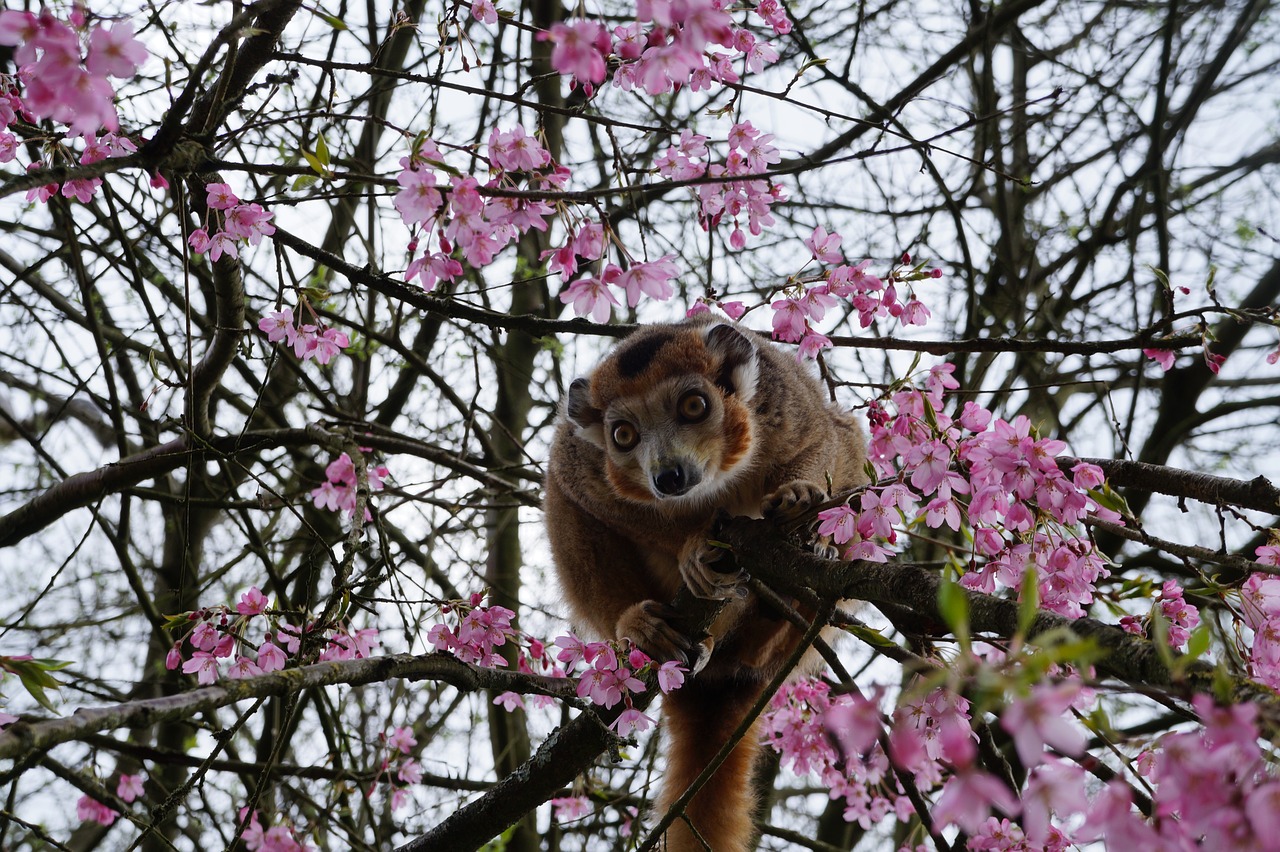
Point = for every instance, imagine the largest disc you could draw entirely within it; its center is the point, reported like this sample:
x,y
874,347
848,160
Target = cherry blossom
x,y
90,809
129,787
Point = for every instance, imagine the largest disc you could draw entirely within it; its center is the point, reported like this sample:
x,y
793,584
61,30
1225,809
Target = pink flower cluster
x,y
590,295
1260,606
97,148
609,678
843,738
218,639
278,838
610,674
64,66
462,218
671,44
233,222
749,153
338,492
869,295
89,809
480,630
1179,616
997,479
1213,790
307,340
401,769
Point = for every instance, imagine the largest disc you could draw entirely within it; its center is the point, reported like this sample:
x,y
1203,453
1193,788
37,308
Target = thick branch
x,y
23,737
87,488
1258,493
763,553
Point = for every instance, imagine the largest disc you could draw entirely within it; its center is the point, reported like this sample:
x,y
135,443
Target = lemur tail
x,y
699,720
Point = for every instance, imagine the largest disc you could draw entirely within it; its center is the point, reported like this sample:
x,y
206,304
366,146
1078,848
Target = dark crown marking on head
x,y
635,357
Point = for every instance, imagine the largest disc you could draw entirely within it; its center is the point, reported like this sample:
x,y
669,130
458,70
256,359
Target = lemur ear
x,y
580,411
739,361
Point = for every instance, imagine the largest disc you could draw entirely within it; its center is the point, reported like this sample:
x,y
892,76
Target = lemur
x,y
677,423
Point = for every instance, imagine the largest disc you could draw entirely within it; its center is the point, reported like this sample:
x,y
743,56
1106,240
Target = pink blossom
x,y
203,665
968,797
81,189
591,297
823,246
401,739
220,197
839,522
629,721
173,659
328,343
509,701
225,646
243,667
199,240
484,11
410,772
1056,786
671,675
790,320
248,222
580,48
432,268
278,326
90,809
915,313
855,723
418,199
652,279
572,649
290,637
271,658
222,243
252,602
129,787
204,636
1260,597
811,344
568,808
115,52
516,151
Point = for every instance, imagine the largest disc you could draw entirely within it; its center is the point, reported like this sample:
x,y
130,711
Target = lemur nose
x,y
671,481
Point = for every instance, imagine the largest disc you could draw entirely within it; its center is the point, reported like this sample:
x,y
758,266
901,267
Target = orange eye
x,y
625,436
693,407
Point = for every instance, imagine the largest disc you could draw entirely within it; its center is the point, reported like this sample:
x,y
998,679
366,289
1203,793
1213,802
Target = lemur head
x,y
670,407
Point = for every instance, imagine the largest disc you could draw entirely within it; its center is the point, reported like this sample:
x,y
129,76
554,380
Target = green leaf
x,y
302,182
953,606
322,152
871,636
35,677
1029,603
332,20
1108,498
1198,643
314,162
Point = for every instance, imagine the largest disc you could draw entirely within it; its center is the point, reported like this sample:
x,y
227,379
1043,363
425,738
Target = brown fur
x,y
624,543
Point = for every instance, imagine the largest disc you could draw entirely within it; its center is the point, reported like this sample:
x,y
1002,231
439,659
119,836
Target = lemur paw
x,y
792,500
648,625
698,570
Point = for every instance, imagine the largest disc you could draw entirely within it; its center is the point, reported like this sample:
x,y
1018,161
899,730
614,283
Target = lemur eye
x,y
693,407
625,436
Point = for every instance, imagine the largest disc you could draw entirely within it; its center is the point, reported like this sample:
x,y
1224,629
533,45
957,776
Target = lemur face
x,y
670,408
